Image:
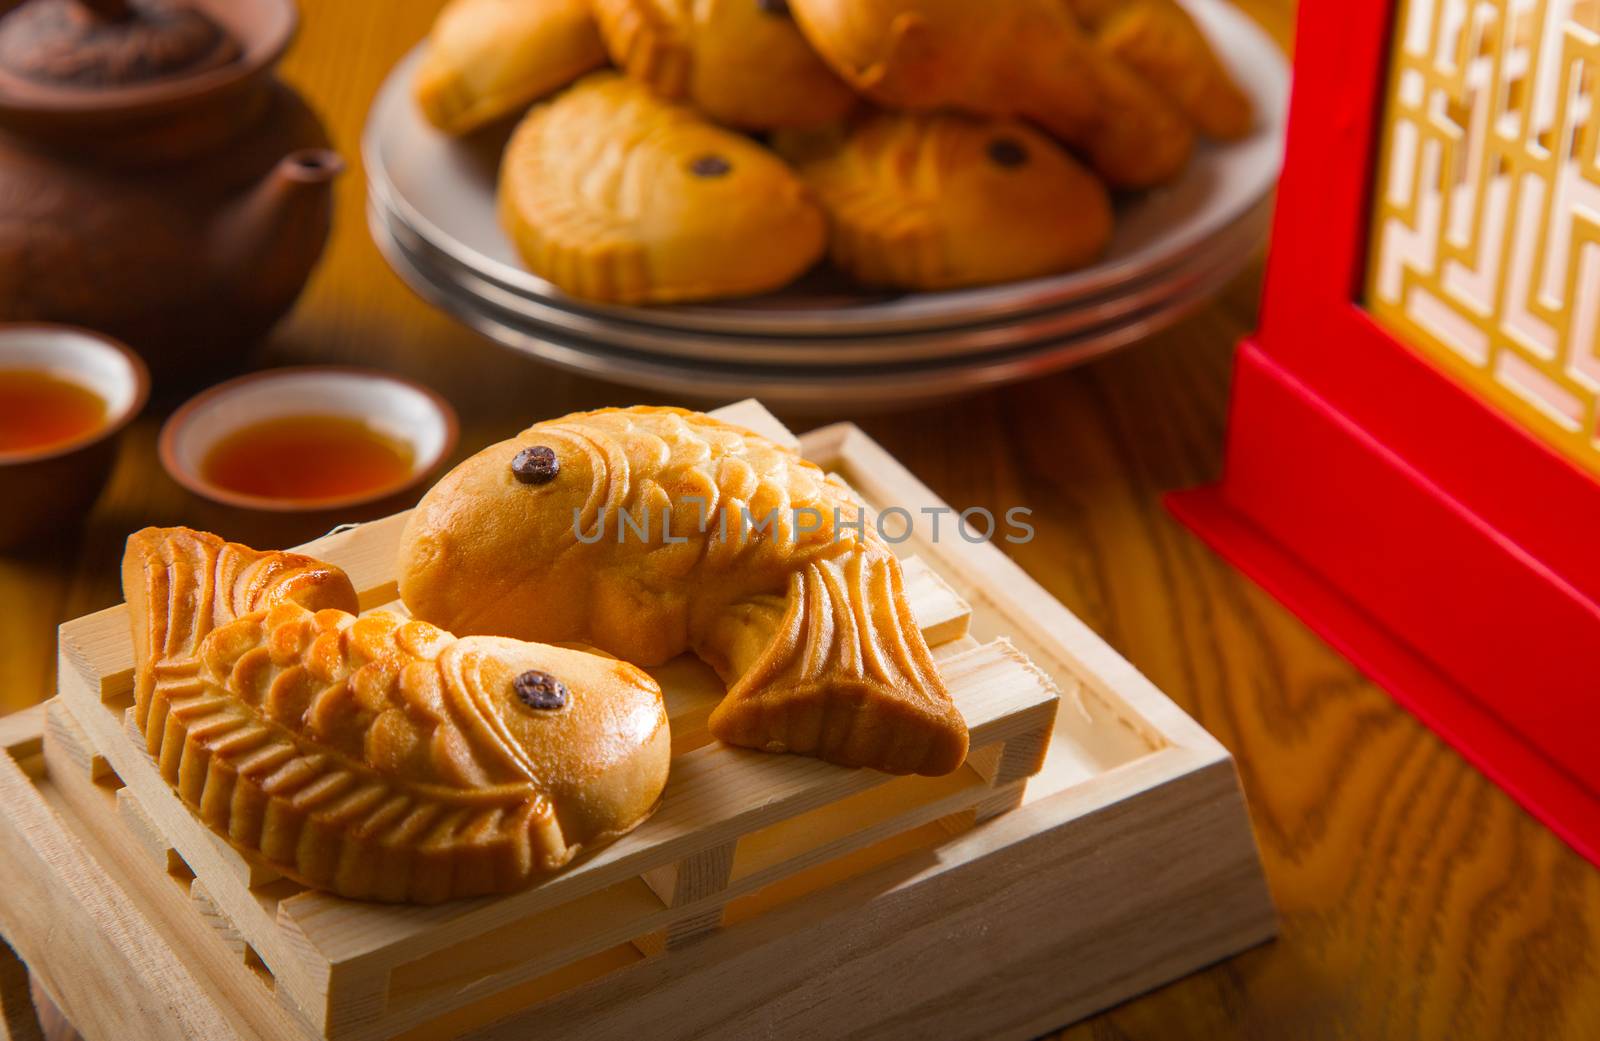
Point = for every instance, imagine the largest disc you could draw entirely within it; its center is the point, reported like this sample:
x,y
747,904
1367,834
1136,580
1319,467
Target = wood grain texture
x,y
1416,899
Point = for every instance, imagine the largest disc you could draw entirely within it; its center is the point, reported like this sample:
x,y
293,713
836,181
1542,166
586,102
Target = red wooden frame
x,y
1449,553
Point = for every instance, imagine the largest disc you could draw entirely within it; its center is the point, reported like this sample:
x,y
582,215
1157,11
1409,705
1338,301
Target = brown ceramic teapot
x,y
156,181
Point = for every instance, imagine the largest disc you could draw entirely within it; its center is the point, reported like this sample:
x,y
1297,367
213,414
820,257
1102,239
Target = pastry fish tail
x,y
837,669
181,584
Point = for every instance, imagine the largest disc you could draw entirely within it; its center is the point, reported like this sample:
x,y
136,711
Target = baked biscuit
x,y
1004,58
377,757
614,194
1158,40
741,62
490,58
735,548
939,200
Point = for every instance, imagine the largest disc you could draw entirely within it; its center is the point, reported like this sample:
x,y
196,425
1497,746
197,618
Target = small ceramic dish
x,y
54,485
396,408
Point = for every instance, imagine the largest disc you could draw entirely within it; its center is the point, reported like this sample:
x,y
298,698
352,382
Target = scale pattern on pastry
x,y
1028,58
647,532
940,200
613,194
377,757
741,62
488,58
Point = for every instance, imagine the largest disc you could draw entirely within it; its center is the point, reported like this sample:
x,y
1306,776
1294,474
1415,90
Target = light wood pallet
x,y
1079,857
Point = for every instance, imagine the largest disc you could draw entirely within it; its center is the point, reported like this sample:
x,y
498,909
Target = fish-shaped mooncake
x,y
937,200
615,194
646,532
1159,40
377,757
741,62
488,58
1007,58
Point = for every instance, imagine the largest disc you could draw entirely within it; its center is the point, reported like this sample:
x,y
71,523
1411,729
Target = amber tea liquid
x,y
307,458
40,409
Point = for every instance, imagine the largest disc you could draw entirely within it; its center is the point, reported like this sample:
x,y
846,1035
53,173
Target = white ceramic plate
x,y
818,387
1227,250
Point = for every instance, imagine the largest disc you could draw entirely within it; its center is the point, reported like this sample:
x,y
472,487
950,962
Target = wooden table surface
x,y
1417,900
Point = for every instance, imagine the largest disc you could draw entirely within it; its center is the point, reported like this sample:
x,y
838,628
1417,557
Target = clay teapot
x,y
157,182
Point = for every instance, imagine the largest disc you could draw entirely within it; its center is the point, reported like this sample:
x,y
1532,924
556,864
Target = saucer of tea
x,y
65,393
307,439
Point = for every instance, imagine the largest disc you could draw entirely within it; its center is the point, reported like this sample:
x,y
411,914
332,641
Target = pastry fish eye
x,y
778,7
540,690
1007,151
710,165
535,465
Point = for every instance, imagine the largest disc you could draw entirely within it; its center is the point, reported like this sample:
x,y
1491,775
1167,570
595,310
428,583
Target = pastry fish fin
x,y
181,584
836,669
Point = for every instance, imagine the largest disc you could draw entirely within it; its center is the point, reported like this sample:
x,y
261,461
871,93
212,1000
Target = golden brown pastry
x,y
741,62
1028,58
1158,40
939,200
646,532
613,194
377,757
489,58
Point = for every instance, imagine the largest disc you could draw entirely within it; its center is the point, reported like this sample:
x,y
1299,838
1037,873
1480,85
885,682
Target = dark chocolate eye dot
x,y
1006,151
540,690
536,465
709,166
774,6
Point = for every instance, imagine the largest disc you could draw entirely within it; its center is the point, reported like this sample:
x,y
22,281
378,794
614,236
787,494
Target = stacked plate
x,y
431,205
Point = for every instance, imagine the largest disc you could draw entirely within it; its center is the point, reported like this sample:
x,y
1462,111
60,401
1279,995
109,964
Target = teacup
x,y
279,418
52,483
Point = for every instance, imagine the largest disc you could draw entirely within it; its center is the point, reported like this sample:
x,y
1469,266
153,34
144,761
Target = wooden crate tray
x,y
747,852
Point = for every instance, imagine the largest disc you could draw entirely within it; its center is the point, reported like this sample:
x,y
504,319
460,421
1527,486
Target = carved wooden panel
x,y
1485,249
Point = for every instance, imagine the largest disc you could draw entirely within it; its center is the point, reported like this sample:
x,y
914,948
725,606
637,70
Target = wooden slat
x,y
941,613
74,743
22,736
216,918
99,648
694,879
145,833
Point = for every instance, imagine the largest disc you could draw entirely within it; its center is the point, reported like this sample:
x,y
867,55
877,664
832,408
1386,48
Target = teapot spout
x,y
265,245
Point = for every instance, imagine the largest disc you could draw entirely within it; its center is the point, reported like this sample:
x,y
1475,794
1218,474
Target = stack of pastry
x,y
685,150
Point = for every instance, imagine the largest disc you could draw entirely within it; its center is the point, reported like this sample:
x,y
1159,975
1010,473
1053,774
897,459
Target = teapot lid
x,y
111,43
